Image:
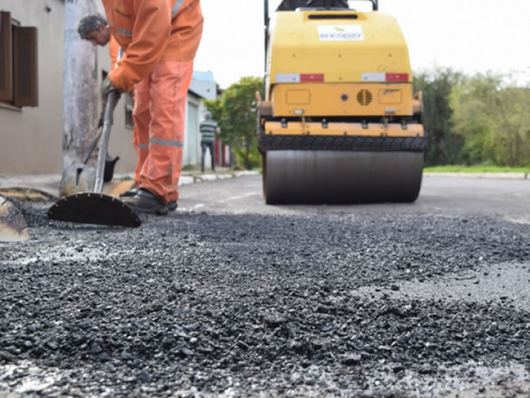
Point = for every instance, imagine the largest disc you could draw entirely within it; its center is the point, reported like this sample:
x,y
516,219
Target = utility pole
x,y
80,86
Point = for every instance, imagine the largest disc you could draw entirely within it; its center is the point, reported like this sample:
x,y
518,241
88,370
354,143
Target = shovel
x,y
95,207
81,178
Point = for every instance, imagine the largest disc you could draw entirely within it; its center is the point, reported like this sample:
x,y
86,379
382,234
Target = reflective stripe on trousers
x,y
159,117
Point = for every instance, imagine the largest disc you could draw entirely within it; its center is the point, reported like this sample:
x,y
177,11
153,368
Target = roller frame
x,y
327,146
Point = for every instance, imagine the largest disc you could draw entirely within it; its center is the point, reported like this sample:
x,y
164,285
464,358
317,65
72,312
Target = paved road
x,y
229,297
502,198
505,282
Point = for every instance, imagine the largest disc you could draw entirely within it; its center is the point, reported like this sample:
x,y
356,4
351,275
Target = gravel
x,y
200,305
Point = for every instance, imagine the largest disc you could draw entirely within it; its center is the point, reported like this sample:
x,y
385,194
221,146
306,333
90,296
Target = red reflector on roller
x,y
397,77
313,77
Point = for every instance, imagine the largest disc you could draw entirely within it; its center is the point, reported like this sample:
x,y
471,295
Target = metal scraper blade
x,y
94,208
13,227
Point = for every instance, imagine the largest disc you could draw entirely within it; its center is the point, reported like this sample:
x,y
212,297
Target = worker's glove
x,y
107,88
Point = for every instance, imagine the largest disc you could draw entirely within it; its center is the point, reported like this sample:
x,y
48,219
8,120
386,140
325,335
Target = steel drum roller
x,y
318,177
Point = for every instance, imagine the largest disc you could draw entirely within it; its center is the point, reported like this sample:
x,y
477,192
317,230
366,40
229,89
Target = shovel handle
x,y
105,136
92,145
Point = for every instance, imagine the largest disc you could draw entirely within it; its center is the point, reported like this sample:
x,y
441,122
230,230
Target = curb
x,y
488,176
202,178
48,184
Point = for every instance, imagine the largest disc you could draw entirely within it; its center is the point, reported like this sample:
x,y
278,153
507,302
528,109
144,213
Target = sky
x,y
466,35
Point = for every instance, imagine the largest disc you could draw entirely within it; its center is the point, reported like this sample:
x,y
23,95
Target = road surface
x,y
229,297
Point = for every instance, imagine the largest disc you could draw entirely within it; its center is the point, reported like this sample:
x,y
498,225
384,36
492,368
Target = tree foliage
x,y
443,144
483,118
492,115
235,114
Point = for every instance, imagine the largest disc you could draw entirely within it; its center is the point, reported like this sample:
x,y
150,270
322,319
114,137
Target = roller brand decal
x,y
340,33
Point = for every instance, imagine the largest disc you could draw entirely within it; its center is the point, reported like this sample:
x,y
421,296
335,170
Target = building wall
x,y
31,138
203,83
192,146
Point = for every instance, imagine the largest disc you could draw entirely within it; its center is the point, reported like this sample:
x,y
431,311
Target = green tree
x,y
436,85
511,126
492,115
472,100
235,114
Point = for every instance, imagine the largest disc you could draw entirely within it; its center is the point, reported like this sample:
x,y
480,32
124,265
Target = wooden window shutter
x,y
6,58
26,86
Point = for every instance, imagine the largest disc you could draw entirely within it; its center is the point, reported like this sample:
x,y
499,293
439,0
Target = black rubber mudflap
x,y
94,208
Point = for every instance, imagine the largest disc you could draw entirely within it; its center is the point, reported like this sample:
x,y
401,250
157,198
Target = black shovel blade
x,y
94,208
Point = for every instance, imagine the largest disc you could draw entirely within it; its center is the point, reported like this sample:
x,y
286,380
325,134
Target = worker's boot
x,y
172,206
146,202
131,192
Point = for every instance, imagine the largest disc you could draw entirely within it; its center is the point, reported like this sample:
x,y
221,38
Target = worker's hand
x,y
107,88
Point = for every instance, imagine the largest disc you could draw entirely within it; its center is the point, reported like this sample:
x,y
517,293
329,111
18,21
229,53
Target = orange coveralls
x,y
114,49
160,39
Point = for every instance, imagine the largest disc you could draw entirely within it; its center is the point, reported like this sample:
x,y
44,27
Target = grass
x,y
476,169
191,168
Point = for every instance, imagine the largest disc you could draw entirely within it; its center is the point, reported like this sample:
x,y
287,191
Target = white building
x,y
202,86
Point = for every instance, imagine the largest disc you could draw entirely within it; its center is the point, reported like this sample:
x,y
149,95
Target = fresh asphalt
x,y
230,297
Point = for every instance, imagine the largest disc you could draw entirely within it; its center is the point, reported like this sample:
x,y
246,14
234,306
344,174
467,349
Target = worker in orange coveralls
x,y
160,39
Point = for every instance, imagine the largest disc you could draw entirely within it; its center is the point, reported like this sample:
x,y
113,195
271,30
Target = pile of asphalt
x,y
251,305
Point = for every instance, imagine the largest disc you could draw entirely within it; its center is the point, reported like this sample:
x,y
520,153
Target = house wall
x,y
31,138
203,84
194,108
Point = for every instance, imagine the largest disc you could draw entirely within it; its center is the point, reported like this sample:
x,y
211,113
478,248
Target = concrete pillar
x,y
80,86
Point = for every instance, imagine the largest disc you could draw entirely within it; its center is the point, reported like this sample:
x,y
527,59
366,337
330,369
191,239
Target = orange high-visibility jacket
x,y
114,49
152,31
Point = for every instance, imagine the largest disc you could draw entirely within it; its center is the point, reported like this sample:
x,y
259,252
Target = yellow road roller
x,y
339,122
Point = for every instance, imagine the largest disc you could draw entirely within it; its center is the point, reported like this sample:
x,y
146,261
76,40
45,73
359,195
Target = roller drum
x,y
341,177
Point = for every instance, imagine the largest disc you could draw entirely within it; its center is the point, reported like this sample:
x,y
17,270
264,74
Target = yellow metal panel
x,y
298,97
344,129
349,99
298,47
390,96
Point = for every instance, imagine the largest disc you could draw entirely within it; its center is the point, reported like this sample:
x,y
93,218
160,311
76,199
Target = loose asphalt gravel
x,y
200,305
